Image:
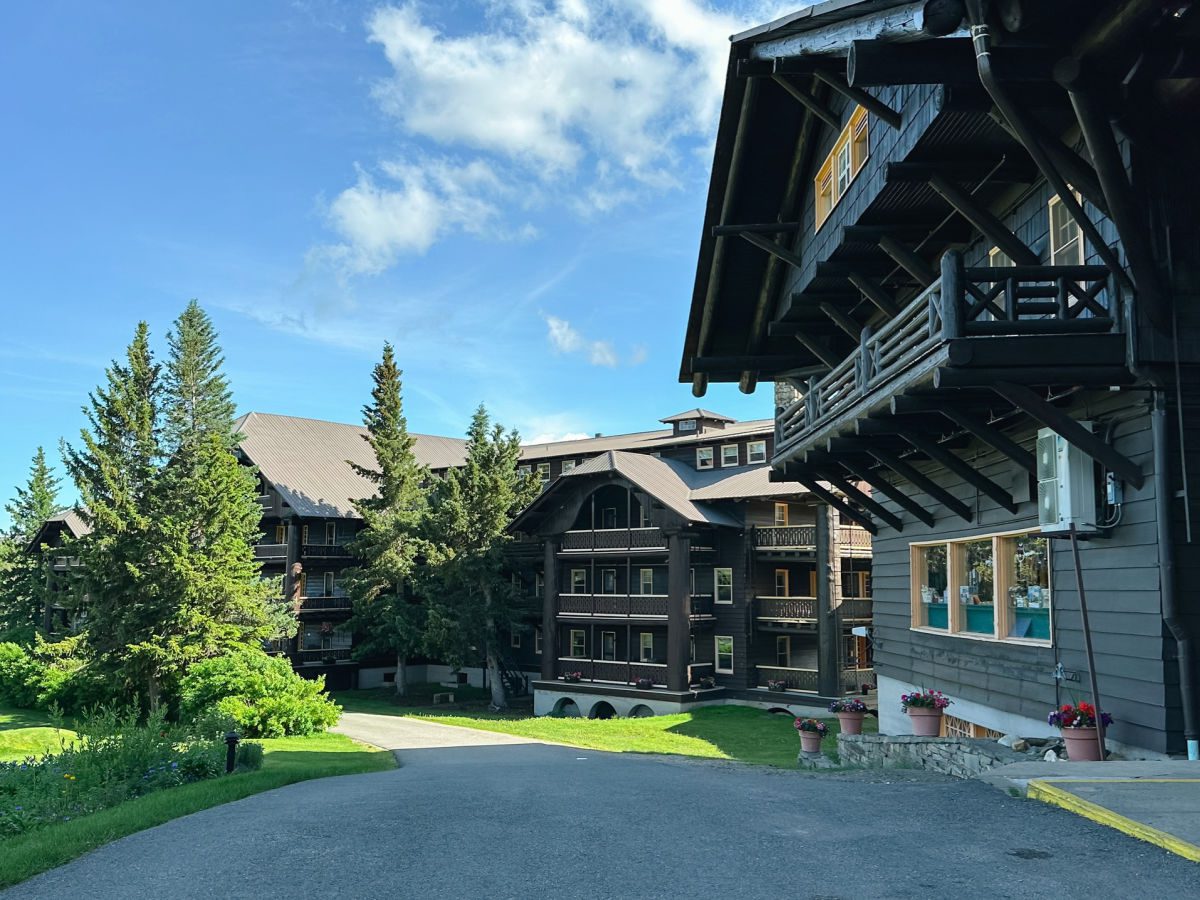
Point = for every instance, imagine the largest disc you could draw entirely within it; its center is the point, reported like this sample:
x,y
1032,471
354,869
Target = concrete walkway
x,y
1154,801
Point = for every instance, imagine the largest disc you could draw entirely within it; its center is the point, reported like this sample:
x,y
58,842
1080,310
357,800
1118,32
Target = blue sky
x,y
509,191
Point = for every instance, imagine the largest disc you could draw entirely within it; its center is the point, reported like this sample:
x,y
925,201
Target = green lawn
x,y
714,732
25,733
287,761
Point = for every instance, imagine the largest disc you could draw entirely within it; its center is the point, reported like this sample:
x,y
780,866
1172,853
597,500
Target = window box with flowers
x,y
1077,724
924,710
572,677
776,684
850,712
643,684
812,732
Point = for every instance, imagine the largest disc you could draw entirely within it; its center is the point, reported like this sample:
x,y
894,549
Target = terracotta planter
x,y
810,742
850,722
926,721
1081,744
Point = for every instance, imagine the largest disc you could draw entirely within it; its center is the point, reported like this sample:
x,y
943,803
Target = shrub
x,y
249,756
20,676
259,693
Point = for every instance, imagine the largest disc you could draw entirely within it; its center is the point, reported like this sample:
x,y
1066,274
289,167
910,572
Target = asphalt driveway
x,y
475,815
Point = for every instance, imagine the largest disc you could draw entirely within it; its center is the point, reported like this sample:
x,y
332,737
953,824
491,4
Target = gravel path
x,y
472,814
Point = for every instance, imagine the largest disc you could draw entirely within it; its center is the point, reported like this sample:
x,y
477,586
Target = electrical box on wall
x,y
1066,484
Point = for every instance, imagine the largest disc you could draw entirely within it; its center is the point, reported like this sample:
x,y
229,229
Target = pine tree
x,y
115,469
390,545
23,589
472,509
199,399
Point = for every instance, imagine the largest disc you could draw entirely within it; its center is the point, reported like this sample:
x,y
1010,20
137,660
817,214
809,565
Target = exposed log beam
x,y
842,320
921,482
881,484
839,504
809,102
874,293
1075,169
961,468
755,68
908,260
872,233
1040,351
869,102
902,22
1041,410
819,349
1090,376
948,60
762,228
799,65
775,249
983,219
872,506
969,422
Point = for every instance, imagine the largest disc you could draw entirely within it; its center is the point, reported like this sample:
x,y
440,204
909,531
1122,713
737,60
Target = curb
x,y
1056,796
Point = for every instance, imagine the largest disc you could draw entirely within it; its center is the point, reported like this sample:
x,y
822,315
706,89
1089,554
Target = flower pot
x,y
850,722
926,720
1081,744
810,742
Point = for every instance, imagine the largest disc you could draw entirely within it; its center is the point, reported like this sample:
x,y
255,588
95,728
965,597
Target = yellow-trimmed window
x,y
845,161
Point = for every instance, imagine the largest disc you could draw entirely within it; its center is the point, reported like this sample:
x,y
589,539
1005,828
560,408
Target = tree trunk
x,y
153,691
401,675
499,698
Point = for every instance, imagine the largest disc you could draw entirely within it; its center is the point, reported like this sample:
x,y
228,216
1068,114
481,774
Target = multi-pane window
x,y
729,455
997,587
330,533
781,583
845,161
325,637
723,647
704,457
756,452
723,585
578,643
568,465
1066,238
579,581
781,514
523,470
543,471
646,578
646,645
281,534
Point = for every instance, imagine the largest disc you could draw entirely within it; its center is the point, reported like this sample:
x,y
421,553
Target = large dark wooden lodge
x,y
963,239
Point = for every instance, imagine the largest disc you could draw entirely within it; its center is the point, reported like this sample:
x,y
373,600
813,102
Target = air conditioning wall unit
x,y
1066,484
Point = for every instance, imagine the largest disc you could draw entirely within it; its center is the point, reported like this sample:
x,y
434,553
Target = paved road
x,y
469,816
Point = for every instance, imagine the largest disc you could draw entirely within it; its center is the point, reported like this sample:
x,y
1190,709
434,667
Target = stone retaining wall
x,y
960,757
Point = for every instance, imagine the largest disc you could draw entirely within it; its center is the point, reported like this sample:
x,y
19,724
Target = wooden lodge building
x,y
691,498
962,239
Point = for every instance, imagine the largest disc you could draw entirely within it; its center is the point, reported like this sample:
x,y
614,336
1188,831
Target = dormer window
x,y
704,457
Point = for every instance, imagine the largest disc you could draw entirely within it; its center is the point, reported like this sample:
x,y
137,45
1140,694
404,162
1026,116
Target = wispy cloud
x,y
565,338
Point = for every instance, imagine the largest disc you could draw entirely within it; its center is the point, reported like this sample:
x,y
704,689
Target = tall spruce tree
x,y
391,544
474,598
23,588
115,468
199,400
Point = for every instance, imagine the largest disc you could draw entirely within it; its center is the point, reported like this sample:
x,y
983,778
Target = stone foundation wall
x,y
960,757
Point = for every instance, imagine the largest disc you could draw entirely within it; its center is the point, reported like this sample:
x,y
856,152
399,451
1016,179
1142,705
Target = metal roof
x,y
69,519
644,441
697,413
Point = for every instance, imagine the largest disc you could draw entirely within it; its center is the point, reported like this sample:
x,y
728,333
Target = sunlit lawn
x,y
25,733
714,732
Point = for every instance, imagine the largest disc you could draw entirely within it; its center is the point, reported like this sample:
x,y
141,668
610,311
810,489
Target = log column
x,y
679,603
828,674
550,608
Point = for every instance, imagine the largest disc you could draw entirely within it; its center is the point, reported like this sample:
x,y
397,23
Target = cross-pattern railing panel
x,y
790,609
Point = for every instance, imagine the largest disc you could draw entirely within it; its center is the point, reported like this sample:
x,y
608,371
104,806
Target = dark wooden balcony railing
x,y
963,303
635,606
310,656
854,609
265,552
326,551
323,604
786,537
793,679
613,671
786,609
615,539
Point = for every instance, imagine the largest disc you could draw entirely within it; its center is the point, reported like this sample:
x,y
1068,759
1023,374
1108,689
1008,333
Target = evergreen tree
x,y
390,546
472,509
115,469
199,401
23,589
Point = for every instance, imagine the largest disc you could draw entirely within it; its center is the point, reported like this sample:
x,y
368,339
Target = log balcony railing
x,y
786,609
963,303
650,538
265,552
631,606
325,551
625,672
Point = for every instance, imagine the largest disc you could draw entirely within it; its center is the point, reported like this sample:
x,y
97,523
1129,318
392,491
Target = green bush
x,y
249,756
260,693
20,676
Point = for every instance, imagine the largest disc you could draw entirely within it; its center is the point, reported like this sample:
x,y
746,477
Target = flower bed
x,y
115,759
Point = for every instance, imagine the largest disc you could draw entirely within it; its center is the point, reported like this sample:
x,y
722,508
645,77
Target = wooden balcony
x,y
970,328
853,541
786,609
804,680
325,551
612,671
640,539
626,606
342,654
785,537
270,552
854,609
325,604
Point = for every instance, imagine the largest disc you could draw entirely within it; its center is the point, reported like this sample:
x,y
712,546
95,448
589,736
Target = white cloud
x,y
551,437
565,338
601,353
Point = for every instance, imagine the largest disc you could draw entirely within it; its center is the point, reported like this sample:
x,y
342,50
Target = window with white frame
x,y
781,514
687,425
523,470
537,641
781,583
578,643
579,581
281,534
704,457
568,465
646,646
756,452
723,585
304,535
845,161
646,579
330,533
1066,238
543,471
993,587
729,455
723,653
